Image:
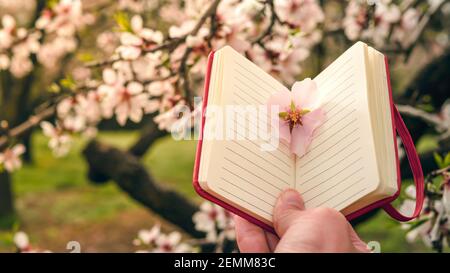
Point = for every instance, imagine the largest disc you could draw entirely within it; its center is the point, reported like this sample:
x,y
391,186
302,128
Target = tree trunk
x,y
6,198
132,177
150,133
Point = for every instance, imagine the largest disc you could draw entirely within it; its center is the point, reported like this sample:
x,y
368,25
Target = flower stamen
x,y
293,116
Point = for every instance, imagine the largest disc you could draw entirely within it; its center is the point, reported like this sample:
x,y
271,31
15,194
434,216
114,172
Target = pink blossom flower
x,y
149,236
409,21
214,221
166,120
10,158
131,46
171,243
129,103
107,41
4,62
140,38
355,19
183,29
306,14
125,100
300,114
22,241
60,142
20,66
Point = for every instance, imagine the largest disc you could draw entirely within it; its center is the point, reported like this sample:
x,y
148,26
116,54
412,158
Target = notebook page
x,y
340,165
242,172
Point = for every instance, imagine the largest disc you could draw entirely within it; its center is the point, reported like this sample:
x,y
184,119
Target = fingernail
x,y
292,198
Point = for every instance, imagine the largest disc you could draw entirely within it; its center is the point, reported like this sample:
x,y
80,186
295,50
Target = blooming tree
x,y
433,226
150,62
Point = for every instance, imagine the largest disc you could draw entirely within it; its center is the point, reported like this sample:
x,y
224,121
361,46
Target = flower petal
x,y
284,131
282,99
135,88
301,138
18,149
305,94
109,76
302,135
314,118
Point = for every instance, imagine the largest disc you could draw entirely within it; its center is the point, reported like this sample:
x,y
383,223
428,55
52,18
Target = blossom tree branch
x,y
132,177
431,119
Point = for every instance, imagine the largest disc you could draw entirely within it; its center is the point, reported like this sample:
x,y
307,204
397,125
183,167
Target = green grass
x,y
53,194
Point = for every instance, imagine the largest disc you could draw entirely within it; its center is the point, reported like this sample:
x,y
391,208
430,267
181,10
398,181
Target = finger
x,y
359,244
272,241
250,237
287,209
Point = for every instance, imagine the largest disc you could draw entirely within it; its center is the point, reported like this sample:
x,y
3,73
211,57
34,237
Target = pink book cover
x,y
237,211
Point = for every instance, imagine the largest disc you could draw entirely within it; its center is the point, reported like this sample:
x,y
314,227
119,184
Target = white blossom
x,y
60,142
10,157
21,240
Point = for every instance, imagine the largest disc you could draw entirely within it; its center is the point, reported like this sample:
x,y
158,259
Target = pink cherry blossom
x,y
300,114
125,100
22,241
303,13
355,18
179,31
149,236
10,158
167,119
4,62
107,41
171,243
409,21
60,142
130,103
214,221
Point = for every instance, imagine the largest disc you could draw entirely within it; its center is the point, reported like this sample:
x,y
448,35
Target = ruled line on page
x,y
250,193
332,166
268,91
334,185
329,158
271,153
249,182
243,99
331,80
338,93
346,199
334,68
337,122
253,174
255,75
261,168
330,137
326,150
341,101
336,116
285,151
258,100
259,156
245,202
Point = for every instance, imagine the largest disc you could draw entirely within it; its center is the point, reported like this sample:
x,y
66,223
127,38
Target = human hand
x,y
299,230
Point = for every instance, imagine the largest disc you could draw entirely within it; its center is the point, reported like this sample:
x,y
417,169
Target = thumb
x,y
287,209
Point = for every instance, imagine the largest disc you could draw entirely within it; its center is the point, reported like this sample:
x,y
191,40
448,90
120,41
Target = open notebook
x,y
351,164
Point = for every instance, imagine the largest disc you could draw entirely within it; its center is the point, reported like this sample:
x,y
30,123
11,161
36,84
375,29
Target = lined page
x,y
340,167
244,173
